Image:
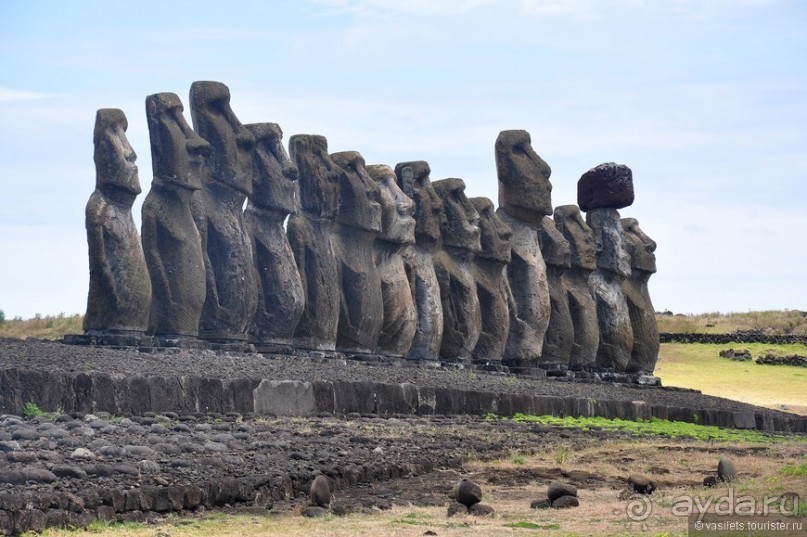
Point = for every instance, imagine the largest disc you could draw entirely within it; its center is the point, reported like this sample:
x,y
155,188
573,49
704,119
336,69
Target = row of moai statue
x,y
332,254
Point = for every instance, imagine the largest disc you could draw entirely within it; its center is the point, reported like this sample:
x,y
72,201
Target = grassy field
x,y
43,327
769,322
699,366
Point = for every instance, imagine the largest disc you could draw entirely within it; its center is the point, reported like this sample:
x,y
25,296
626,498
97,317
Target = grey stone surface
x,y
275,195
725,470
524,199
414,181
641,249
232,281
467,492
309,234
608,185
171,241
320,493
557,489
641,483
397,235
559,339
492,287
120,289
453,265
565,502
284,398
576,282
361,304
613,266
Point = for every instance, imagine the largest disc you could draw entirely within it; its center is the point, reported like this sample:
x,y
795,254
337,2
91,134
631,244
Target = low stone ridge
x,y
742,355
608,185
793,359
735,337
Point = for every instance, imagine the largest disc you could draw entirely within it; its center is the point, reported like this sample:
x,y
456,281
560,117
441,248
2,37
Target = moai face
x,y
359,206
230,161
413,178
274,184
495,235
640,247
115,168
177,152
397,209
570,222
524,188
319,176
461,226
554,246
610,240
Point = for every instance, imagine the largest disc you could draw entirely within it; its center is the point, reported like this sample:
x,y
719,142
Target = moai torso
x,y
275,195
559,338
232,296
641,249
524,199
309,234
453,265
413,179
492,288
171,241
576,284
120,290
361,310
397,235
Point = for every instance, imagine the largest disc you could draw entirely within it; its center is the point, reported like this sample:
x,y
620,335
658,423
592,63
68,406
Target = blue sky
x,y
706,100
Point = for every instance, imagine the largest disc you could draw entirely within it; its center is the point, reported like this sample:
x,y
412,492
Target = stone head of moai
x,y
231,161
274,184
319,176
413,179
570,222
177,152
397,209
358,193
555,248
525,192
494,234
640,247
460,228
115,168
612,255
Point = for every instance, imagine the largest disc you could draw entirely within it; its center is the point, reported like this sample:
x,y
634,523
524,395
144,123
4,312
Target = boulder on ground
x,y
540,504
314,511
456,508
467,492
710,481
481,509
558,488
641,484
565,502
320,493
725,470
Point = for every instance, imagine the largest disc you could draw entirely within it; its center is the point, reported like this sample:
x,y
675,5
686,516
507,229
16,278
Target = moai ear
x,y
408,181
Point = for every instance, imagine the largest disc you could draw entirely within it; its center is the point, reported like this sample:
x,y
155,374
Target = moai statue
x,y
525,197
453,264
397,235
492,288
413,178
361,310
642,315
582,305
309,234
559,338
232,281
171,240
600,192
120,290
275,195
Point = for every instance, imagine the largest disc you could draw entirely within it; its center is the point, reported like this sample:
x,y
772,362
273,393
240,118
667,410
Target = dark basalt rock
x,y
576,283
232,281
641,484
275,195
120,289
481,509
171,241
725,470
413,179
320,493
397,234
309,235
462,316
608,185
640,247
557,489
361,310
467,493
559,339
565,502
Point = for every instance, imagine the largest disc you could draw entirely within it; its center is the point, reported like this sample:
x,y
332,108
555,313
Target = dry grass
x,y
769,322
678,468
47,327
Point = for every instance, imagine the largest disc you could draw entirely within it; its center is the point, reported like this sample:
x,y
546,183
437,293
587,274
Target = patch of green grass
x,y
662,428
794,470
47,327
517,459
525,525
32,410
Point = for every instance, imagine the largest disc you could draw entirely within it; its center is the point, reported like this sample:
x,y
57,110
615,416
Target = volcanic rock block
x,y
640,247
397,235
725,470
413,179
608,185
171,241
309,234
557,489
462,316
456,508
468,493
559,339
120,289
361,310
232,280
320,493
275,195
565,502
641,484
481,509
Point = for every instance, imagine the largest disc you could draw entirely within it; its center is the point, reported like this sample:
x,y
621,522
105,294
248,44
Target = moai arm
x,y
157,271
95,238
